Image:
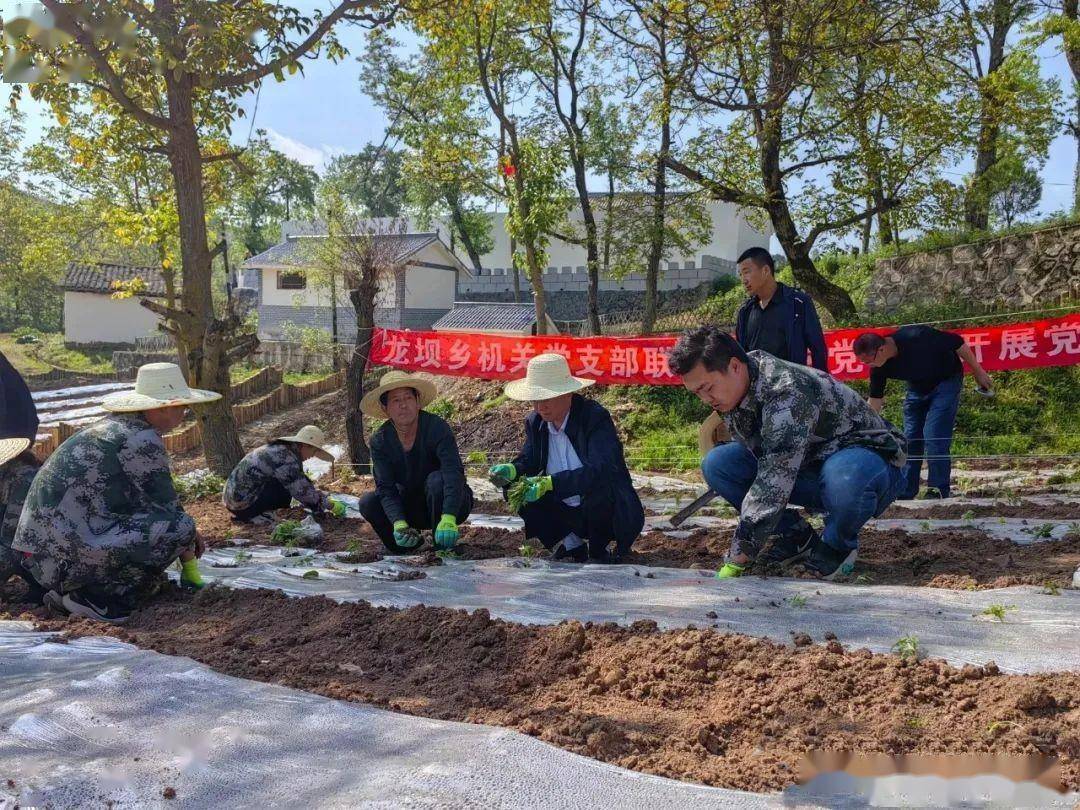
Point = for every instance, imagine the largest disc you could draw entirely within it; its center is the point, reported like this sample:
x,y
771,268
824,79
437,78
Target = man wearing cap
x,y
270,476
102,520
18,466
578,493
419,477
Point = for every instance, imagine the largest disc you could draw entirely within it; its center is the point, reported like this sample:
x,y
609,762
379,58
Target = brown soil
x,y
1036,513
698,705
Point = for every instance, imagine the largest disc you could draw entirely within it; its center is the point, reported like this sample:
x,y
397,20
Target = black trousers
x,y
549,520
272,496
423,510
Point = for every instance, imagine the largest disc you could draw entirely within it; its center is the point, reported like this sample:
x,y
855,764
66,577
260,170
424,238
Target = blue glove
x,y
405,536
537,487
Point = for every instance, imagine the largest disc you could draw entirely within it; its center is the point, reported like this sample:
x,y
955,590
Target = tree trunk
x,y
1076,135
884,218
364,306
867,228
514,270
977,204
656,238
457,217
536,277
592,252
201,339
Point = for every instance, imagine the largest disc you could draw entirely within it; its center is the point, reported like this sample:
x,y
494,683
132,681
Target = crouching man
x,y
419,477
269,477
102,521
18,466
578,496
800,437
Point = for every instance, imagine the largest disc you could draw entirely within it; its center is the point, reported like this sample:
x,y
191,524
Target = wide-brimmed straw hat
x,y
157,385
9,448
313,437
547,376
371,404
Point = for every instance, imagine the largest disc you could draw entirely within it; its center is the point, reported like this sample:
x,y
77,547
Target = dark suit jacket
x,y
804,327
593,436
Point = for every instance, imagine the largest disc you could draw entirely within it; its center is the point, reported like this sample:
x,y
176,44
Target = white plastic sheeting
x,y
80,390
1022,531
1042,633
96,721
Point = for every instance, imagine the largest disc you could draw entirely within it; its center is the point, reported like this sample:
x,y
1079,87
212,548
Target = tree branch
x,y
824,227
717,190
177,315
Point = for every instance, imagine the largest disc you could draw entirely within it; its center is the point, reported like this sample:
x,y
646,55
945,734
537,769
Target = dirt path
x,y
698,705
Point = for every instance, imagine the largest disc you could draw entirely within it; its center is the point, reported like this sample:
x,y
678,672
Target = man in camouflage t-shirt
x,y
102,520
800,437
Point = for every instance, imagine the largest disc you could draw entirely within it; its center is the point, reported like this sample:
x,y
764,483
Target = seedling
x,y
1043,530
527,550
353,545
242,556
798,601
311,574
998,611
447,554
1051,589
347,474
478,458
925,525
286,533
968,515
907,648
515,495
1000,724
863,579
915,722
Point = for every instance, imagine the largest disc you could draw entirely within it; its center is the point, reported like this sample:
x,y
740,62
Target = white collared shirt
x,y
561,455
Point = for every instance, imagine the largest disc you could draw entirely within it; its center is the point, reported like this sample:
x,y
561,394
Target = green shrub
x,y
198,484
442,407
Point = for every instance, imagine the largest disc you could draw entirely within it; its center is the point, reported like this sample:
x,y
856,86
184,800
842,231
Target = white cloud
x,y
314,156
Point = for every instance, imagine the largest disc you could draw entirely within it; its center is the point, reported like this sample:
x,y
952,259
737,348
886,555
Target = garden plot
x,y
68,713
1034,631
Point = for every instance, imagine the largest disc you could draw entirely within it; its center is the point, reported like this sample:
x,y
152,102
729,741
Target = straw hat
x,y
547,376
311,436
157,385
371,406
713,431
9,448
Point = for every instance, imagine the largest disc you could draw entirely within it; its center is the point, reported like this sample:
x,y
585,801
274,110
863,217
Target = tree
x,y
272,187
178,70
612,143
1018,197
1064,21
371,179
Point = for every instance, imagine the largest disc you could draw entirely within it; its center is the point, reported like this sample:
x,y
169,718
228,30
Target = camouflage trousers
x,y
126,571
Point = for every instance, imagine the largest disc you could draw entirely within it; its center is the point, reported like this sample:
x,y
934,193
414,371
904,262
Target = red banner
x,y
643,360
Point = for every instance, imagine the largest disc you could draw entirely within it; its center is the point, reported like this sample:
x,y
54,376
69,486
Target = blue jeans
x,y
929,420
851,486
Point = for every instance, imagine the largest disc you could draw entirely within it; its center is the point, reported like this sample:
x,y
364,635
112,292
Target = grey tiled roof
x,y
96,277
296,250
492,317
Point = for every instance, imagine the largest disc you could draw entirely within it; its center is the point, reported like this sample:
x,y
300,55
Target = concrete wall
x,y
1038,268
429,288
312,295
99,318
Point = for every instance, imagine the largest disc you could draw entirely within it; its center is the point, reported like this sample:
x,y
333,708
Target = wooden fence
x,y
181,441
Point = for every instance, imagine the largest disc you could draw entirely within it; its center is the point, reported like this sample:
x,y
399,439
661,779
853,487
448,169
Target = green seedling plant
x,y
864,579
286,533
907,648
915,722
353,545
998,611
477,458
925,525
1043,530
998,725
1050,589
526,550
968,515
798,601
515,495
242,556
447,554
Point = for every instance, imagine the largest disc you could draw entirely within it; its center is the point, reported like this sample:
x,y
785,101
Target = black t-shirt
x,y
767,329
925,358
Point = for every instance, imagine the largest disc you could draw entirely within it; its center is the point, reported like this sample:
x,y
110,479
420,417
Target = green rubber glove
x,y
538,486
502,474
404,536
446,533
190,576
337,508
730,570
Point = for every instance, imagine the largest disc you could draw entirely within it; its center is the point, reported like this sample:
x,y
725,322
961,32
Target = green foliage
x,y
907,647
447,554
197,485
311,338
527,550
370,179
91,361
442,407
477,458
1043,530
798,601
515,493
286,533
494,402
998,611
313,574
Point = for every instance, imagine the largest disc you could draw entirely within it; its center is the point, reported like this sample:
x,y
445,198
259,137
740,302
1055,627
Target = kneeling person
x,y
578,496
269,477
18,466
102,520
802,438
419,477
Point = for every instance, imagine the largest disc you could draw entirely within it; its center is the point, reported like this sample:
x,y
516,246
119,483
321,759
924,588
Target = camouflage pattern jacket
x,y
279,461
794,417
102,508
15,479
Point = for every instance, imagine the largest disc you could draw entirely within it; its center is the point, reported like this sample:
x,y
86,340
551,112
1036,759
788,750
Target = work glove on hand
x,y
502,474
537,487
337,508
405,536
190,576
446,533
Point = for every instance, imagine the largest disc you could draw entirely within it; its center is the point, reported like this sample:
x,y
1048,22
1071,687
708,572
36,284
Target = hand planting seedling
x,y
286,533
998,611
337,508
907,648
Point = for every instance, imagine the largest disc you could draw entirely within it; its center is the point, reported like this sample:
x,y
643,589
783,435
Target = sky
x,y
324,112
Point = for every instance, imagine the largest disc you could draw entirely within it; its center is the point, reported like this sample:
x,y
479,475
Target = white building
x,y
92,317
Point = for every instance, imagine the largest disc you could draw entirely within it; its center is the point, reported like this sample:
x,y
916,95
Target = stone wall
x,y
1039,268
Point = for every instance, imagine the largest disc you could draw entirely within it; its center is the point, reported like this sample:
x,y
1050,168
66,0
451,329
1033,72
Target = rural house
x,y
492,319
420,291
92,317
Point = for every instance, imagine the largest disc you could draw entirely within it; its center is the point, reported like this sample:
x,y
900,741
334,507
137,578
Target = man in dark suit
x,y
578,493
775,318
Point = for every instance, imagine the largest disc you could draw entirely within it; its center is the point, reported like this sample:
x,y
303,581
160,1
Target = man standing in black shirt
x,y
930,361
777,319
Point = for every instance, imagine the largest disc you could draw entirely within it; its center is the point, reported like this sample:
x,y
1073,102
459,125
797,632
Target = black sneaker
x,y
578,554
829,563
108,611
789,548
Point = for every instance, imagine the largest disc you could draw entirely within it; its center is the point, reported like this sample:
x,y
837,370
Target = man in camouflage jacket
x,y
15,479
800,437
102,520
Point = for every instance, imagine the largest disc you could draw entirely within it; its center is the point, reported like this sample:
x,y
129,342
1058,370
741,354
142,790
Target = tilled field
x,y
722,709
